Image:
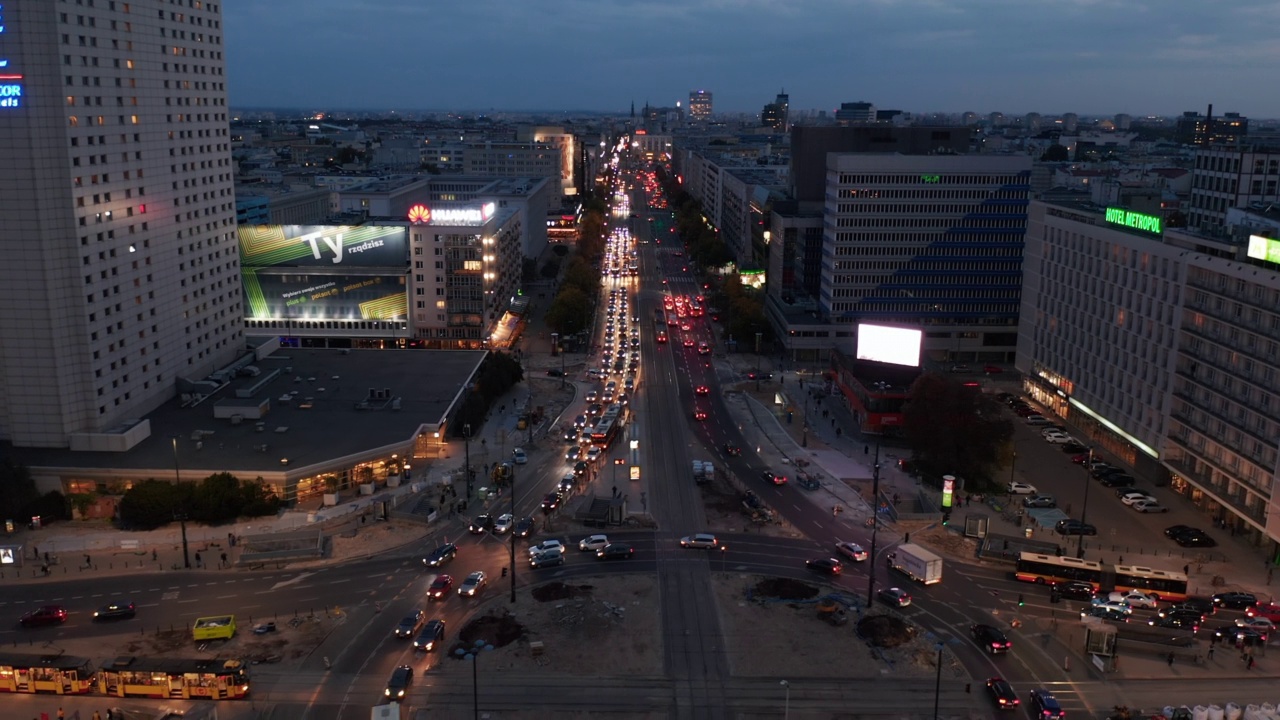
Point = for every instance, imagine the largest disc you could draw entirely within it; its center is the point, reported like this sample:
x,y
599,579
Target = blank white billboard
x,y
892,345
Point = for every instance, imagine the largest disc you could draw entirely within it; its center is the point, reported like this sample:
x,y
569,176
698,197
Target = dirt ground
x,y
603,622
759,631
722,500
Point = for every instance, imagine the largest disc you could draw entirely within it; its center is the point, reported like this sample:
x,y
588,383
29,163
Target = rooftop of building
x,y
321,405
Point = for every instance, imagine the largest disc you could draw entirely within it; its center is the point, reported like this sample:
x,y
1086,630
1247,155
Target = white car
x,y
701,540
1020,488
851,550
472,585
1150,506
503,524
1060,439
519,456
593,454
1260,624
593,542
546,545
1106,603
1131,497
573,454
1133,598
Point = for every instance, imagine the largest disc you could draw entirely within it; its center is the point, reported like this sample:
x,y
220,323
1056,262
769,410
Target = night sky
x,y
1014,56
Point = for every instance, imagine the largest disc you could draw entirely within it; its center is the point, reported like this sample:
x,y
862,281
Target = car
x,y
1105,613
1076,590
1195,539
992,369
1203,606
616,551
439,588
1270,611
573,454
594,454
1149,506
524,528
595,409
1035,419
699,414
555,372
827,566
1134,598
592,396
851,550
1100,470
894,596
580,468
580,421
1021,488
399,683
44,615
115,611
1057,437
566,485
1237,635
546,545
431,636
1115,480
441,556
474,583
990,639
1107,604
503,524
688,342
699,540
1176,622
1128,496
1235,600
1002,693
550,501
702,390
1045,706
547,558
1074,448
481,524
1039,501
1074,527
773,478
411,624
960,368
1195,617
593,542
1081,459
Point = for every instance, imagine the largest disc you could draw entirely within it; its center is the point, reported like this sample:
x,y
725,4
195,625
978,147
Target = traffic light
x,y
1021,602
504,572
946,516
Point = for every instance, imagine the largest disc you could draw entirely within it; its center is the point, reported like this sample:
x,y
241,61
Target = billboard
x,y
892,345
1261,248
283,293
323,246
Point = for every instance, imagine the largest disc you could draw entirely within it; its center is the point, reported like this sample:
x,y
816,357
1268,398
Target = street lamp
x,y
758,336
181,516
473,654
466,438
937,683
556,349
1084,508
512,492
786,699
875,524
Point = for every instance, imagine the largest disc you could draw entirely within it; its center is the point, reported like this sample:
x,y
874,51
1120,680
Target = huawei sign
x,y
419,214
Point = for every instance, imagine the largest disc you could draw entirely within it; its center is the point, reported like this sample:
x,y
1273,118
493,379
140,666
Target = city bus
x,y
46,674
1169,586
174,678
603,434
1052,570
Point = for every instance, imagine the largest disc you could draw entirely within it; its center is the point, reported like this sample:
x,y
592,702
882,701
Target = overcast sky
x,y
1014,56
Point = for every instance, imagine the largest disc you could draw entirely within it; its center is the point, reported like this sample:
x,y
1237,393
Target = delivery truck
x,y
917,563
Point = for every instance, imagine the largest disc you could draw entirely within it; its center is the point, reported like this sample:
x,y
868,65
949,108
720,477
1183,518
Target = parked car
x,y
1071,526
1115,480
1129,496
1039,501
1149,506
1021,488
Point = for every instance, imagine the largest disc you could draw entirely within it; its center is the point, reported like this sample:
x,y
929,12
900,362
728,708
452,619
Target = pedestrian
x,y
1210,651
153,555
1186,569
198,554
1250,664
87,561
224,558
61,715
1170,659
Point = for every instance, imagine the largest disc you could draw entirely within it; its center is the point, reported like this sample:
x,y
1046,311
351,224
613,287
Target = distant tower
x,y
1124,121
633,109
775,114
699,104
1032,122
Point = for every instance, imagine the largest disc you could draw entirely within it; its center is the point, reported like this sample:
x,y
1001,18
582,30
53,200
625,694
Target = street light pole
x,y
1084,508
512,493
466,439
786,701
182,516
758,336
875,524
937,684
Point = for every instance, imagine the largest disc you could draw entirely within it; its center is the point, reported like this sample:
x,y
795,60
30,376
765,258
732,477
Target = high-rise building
x,y
121,275
700,104
1123,121
851,113
775,113
1231,176
1205,130
1031,121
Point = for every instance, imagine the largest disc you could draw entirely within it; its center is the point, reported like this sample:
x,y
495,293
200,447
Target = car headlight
x,y
387,692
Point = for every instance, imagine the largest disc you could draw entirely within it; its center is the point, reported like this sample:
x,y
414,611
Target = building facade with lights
x,y
120,277
1159,345
700,106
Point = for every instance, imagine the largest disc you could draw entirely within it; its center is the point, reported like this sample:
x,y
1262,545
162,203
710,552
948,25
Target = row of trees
x,y
219,498
570,310
498,374
19,499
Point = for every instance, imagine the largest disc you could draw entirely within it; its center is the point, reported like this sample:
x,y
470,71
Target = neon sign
x,y
930,178
1134,220
10,83
1261,248
423,215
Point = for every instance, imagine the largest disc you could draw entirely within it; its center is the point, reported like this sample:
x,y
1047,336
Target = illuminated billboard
x,y
284,294
1261,248
452,216
344,246
1134,220
891,345
10,81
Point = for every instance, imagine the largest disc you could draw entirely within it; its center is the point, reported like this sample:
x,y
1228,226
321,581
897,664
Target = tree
x,y
1055,153
955,430
149,504
216,499
550,268
569,312
17,489
581,276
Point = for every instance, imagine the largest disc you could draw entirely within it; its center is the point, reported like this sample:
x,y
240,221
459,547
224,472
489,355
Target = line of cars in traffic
x,y
1191,614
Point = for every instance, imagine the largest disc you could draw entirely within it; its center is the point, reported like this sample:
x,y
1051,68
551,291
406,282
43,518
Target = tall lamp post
x,y
182,516
512,492
937,683
1084,509
786,699
466,440
875,523
758,336
556,349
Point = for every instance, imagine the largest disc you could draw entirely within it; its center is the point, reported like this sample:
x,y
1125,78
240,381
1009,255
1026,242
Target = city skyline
x,y
916,55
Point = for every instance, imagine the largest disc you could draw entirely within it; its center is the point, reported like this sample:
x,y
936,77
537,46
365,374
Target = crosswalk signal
x,y
1021,602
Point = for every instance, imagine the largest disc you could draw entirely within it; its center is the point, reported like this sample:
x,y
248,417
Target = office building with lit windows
x,y
121,277
699,104
928,241
1158,344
